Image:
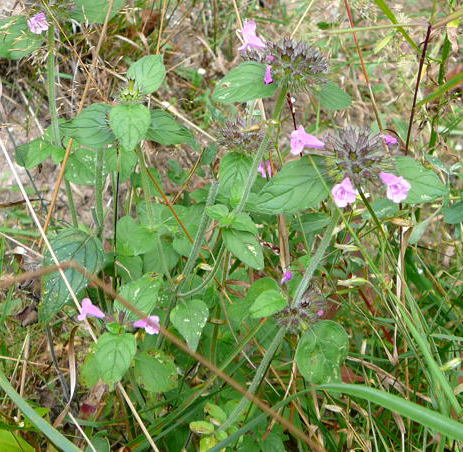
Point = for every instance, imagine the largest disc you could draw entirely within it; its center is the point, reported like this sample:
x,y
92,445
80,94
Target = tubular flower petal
x,y
397,186
150,324
265,169
301,139
89,309
287,275
268,75
344,193
250,38
38,23
389,140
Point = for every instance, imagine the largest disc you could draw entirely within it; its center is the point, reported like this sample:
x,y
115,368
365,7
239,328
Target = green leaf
x,y
243,222
426,185
95,11
428,418
10,442
132,238
165,130
321,351
202,427
189,317
16,40
119,159
80,168
243,83
267,303
245,247
259,286
130,124
444,88
332,97
155,371
148,73
30,413
142,293
313,222
70,244
233,172
453,214
217,212
90,127
129,268
215,412
31,154
112,357
153,263
296,187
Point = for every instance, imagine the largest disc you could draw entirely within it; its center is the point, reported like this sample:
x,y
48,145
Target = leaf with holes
x,y
155,371
189,317
142,293
148,73
321,351
130,124
81,167
243,83
70,244
245,247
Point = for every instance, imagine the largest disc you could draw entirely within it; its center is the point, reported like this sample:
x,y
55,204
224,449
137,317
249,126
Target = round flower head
x,y
311,307
251,40
344,193
397,186
241,137
294,63
356,154
38,23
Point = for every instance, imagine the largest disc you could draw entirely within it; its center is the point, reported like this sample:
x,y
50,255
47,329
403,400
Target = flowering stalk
x,y
51,76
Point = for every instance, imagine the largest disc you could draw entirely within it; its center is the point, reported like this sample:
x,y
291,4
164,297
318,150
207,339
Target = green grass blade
x,y
391,16
53,435
442,89
428,418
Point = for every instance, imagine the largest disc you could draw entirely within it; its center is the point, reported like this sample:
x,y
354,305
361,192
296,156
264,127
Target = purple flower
x,y
250,38
320,312
88,308
287,275
397,186
268,75
301,139
38,23
389,140
344,193
150,324
265,169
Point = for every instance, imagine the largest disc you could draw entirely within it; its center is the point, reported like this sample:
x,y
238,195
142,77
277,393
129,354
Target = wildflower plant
x,y
190,271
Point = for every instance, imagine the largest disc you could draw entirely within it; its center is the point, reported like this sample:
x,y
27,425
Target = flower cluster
x,y
240,137
38,23
289,62
311,307
88,309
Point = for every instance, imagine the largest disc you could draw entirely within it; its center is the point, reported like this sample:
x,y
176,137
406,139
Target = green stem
x,y
52,108
256,381
99,191
262,148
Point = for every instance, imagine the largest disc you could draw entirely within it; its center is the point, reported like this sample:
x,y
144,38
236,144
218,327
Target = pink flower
x,y
320,312
389,140
268,75
88,308
150,324
38,23
287,275
265,169
301,139
397,186
250,38
344,193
